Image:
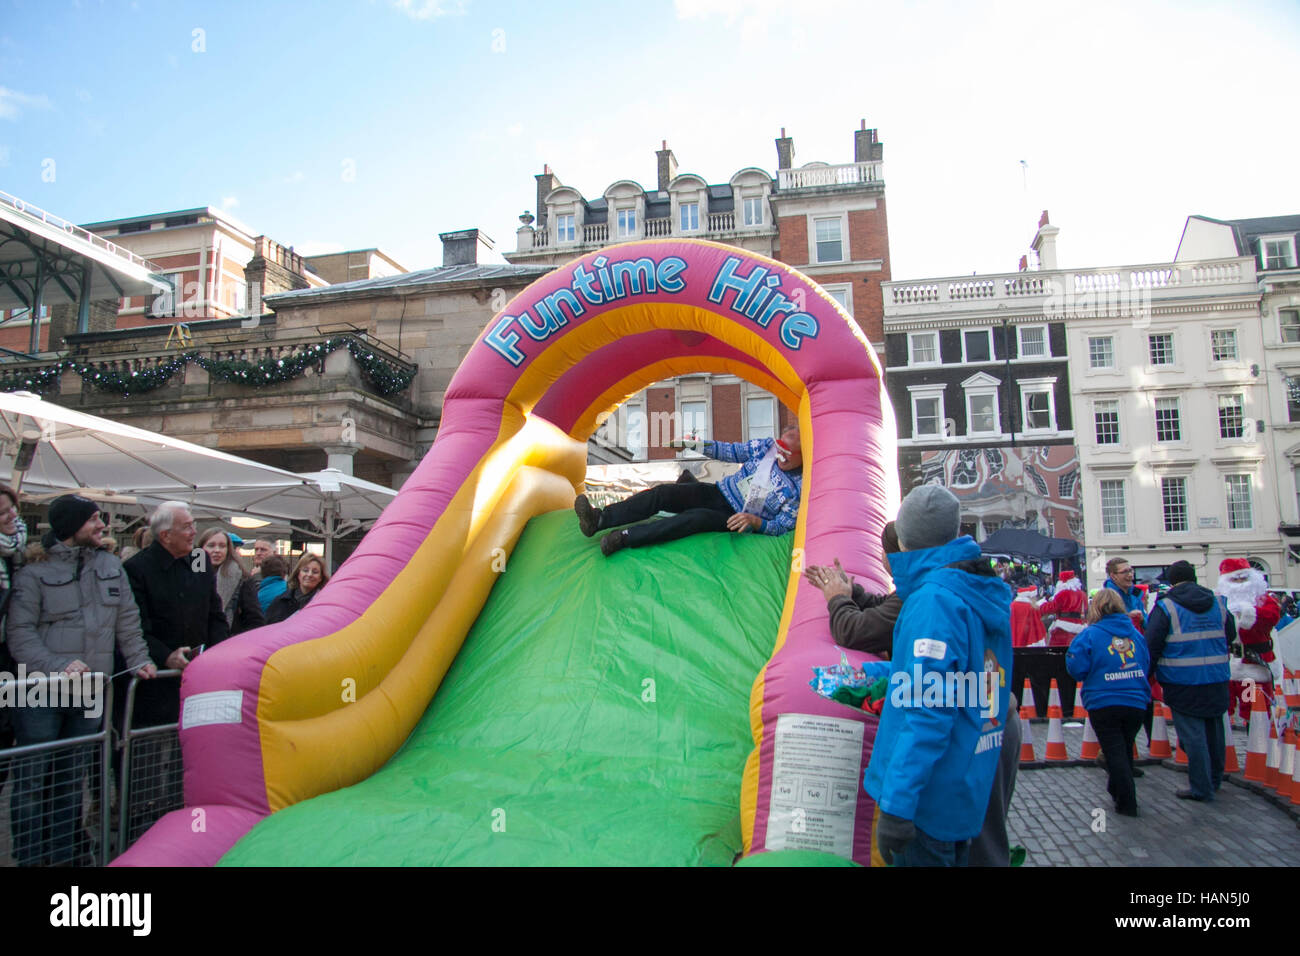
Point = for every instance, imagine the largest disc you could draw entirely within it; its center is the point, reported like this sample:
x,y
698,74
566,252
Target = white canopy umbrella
x,y
72,451
331,502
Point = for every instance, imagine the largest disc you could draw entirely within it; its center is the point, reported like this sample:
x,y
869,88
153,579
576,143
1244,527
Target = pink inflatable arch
x,y
263,725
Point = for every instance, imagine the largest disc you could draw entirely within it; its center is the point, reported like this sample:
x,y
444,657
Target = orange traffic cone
x,y
1287,768
1159,746
1055,741
1295,785
1230,764
1055,728
1028,709
1274,758
1091,748
1026,734
1257,740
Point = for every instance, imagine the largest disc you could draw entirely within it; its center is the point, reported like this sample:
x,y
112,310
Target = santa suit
x,y
1026,626
1257,613
1069,604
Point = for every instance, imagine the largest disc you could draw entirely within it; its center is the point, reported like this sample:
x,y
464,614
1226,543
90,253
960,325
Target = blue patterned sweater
x,y
781,509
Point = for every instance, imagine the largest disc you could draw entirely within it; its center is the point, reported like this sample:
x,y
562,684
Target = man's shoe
x,y
1127,813
588,517
1139,772
1189,795
614,541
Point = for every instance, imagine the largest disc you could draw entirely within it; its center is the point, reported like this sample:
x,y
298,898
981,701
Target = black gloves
x,y
892,835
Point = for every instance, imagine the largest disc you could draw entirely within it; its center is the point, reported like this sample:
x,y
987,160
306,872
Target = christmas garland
x,y
387,378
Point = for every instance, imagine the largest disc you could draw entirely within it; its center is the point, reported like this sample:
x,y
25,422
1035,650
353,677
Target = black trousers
x,y
1117,728
696,507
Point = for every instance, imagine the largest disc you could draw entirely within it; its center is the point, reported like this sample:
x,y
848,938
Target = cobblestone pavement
x,y
1055,809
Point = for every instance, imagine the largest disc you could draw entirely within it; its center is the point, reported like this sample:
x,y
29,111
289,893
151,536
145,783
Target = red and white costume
x,y
1026,626
1256,613
1069,604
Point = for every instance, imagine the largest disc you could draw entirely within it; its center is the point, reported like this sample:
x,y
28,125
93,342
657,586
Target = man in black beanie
x,y
67,615
1188,634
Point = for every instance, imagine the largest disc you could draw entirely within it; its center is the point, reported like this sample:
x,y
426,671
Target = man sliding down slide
x,y
763,495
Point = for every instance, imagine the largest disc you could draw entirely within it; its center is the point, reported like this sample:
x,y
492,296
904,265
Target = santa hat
x,y
1026,594
1068,582
1229,565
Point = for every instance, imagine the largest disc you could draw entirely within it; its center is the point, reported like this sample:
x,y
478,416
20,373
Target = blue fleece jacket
x,y
1110,661
937,749
269,590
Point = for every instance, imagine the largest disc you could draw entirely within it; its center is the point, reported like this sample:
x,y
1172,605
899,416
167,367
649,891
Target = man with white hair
x,y
1257,613
180,609
262,549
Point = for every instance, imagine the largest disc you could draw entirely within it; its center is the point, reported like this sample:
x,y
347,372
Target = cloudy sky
x,y
355,123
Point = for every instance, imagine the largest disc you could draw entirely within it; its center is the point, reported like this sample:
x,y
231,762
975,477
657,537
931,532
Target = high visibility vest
x,y
1196,651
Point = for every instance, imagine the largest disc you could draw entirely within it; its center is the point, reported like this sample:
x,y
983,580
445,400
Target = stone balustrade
x,y
722,222
816,176
1125,285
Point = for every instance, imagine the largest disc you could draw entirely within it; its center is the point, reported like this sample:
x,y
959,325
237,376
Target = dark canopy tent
x,y
1030,546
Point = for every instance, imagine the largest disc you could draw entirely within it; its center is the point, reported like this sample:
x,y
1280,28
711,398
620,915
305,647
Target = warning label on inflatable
x,y
816,773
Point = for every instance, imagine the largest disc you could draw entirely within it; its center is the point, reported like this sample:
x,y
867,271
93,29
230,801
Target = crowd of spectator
x,y
70,606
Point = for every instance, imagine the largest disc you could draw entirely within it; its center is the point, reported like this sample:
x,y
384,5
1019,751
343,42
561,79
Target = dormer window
x,y
626,223
689,216
1277,252
565,229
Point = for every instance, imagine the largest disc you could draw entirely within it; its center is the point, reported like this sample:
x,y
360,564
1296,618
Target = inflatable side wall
x,y
322,700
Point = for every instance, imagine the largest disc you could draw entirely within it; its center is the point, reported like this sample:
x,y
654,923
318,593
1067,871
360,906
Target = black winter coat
x,y
287,605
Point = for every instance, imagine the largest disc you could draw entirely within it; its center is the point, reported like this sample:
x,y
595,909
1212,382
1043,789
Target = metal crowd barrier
x,y
152,780
55,795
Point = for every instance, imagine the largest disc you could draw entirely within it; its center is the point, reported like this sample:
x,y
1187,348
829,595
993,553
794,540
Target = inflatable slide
x,y
599,710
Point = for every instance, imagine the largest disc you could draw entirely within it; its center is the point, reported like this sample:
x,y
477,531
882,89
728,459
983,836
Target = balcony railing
x,y
722,222
255,361
658,227
597,233
1083,289
810,177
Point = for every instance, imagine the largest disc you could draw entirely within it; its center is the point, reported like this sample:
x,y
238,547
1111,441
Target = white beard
x,y
1242,589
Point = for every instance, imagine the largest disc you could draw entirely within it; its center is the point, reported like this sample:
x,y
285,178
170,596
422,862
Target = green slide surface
x,y
597,714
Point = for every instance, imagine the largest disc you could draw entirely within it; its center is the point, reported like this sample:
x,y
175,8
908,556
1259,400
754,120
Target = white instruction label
x,y
214,707
816,775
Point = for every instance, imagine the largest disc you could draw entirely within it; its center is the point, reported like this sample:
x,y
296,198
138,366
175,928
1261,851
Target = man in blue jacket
x,y
1120,579
1188,634
936,751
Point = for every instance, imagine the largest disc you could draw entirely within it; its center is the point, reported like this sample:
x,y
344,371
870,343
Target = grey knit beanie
x,y
929,516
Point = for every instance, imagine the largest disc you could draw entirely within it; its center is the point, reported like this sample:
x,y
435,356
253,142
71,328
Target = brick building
x,y
220,267
826,220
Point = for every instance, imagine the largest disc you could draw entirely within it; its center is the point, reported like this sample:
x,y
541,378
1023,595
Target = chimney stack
x,y
546,181
784,151
866,147
1045,244
667,166
461,248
